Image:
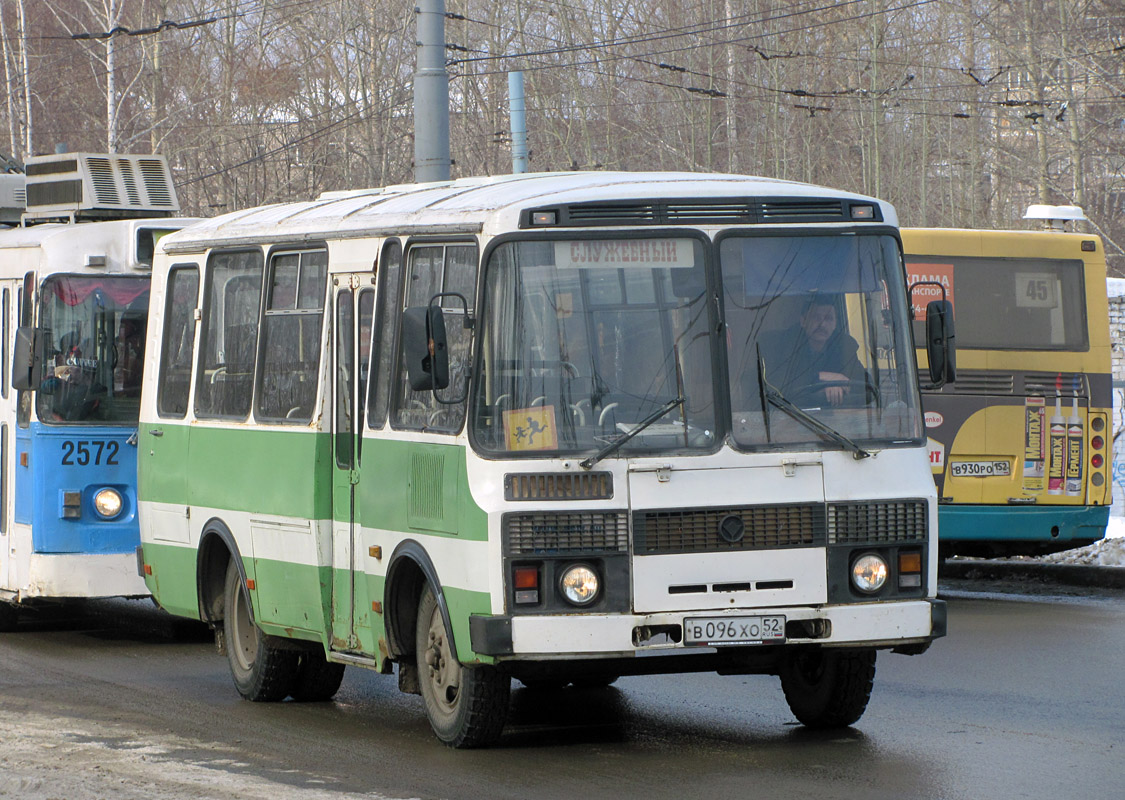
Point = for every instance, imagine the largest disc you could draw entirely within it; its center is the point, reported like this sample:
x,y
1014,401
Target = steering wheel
x,y
857,394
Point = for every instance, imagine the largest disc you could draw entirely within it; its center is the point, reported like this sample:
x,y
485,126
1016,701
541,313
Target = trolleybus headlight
x,y
869,573
108,503
579,585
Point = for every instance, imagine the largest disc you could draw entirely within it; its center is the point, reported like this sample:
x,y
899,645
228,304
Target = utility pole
x,y
518,122
431,96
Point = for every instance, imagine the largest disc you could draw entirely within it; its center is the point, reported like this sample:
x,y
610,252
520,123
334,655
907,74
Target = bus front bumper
x,y
909,625
81,575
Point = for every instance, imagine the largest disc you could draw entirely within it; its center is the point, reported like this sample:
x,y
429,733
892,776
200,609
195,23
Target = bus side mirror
x,y
27,366
425,348
940,348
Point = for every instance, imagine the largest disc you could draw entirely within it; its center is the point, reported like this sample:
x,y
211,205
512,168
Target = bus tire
x,y
318,679
261,672
828,688
466,706
9,617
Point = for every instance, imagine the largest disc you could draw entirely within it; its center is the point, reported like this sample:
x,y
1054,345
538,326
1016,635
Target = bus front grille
x,y
578,532
714,530
877,523
558,486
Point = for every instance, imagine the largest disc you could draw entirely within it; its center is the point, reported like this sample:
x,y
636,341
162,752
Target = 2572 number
x,y
86,452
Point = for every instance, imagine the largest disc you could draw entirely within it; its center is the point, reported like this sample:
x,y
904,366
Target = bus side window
x,y
290,359
5,372
365,312
231,304
25,299
434,269
386,323
179,340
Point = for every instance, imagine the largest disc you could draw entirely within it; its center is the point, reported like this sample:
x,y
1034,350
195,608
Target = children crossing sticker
x,y
531,428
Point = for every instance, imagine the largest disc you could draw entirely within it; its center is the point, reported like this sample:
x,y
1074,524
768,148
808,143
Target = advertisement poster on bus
x,y
929,275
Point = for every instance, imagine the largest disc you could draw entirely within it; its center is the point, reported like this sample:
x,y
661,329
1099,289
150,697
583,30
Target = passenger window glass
x,y
24,299
5,373
291,337
366,312
230,335
434,269
344,375
386,321
179,341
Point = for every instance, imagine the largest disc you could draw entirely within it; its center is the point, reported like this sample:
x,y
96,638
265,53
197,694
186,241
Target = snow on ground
x,y
1109,552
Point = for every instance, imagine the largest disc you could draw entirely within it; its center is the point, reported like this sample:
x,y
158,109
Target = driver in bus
x,y
74,391
813,362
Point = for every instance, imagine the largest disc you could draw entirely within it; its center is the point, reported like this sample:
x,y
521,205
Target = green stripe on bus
x,y
267,471
413,487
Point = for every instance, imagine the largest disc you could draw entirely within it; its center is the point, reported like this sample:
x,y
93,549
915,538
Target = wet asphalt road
x,y
1023,700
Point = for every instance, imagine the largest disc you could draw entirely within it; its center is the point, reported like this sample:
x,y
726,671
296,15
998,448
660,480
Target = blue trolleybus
x,y
74,287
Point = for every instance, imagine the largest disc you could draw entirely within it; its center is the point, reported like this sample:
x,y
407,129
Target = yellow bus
x,y
1020,441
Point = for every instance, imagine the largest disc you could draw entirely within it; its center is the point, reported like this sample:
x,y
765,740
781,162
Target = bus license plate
x,y
734,630
979,469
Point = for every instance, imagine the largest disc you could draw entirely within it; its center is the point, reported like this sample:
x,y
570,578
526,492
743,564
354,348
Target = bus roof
x,y
488,204
999,243
65,247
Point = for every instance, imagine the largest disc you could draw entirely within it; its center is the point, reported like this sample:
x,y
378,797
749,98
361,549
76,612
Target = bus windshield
x,y
93,333
583,339
820,348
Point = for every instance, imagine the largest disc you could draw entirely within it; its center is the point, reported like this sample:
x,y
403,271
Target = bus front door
x,y
351,337
9,316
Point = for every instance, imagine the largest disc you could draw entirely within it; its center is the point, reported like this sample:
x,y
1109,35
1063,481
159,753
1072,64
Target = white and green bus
x,y
539,427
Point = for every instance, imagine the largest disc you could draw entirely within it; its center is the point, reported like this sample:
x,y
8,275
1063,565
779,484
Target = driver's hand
x,y
835,394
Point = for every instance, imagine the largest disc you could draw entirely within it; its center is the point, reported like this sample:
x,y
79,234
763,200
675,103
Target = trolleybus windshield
x,y
93,334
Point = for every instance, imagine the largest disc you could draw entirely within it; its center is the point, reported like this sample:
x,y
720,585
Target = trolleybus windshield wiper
x,y
772,396
615,445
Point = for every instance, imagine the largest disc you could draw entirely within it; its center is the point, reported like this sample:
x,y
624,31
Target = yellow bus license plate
x,y
734,630
979,469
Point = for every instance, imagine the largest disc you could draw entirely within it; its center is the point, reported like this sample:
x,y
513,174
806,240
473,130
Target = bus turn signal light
x,y
909,570
526,582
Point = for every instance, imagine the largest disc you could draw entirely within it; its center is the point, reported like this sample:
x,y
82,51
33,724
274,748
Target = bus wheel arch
x,y
409,572
217,549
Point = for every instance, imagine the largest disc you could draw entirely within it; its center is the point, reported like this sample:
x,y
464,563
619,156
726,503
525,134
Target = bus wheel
x,y
9,616
466,706
828,688
318,679
261,672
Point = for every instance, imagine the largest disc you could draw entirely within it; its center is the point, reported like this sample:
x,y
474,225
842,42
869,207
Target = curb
x,y
1066,574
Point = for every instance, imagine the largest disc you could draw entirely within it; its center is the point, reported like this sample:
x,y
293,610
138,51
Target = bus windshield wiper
x,y
775,397
614,446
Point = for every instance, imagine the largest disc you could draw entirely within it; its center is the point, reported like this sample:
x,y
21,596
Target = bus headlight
x,y
579,585
108,503
869,573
